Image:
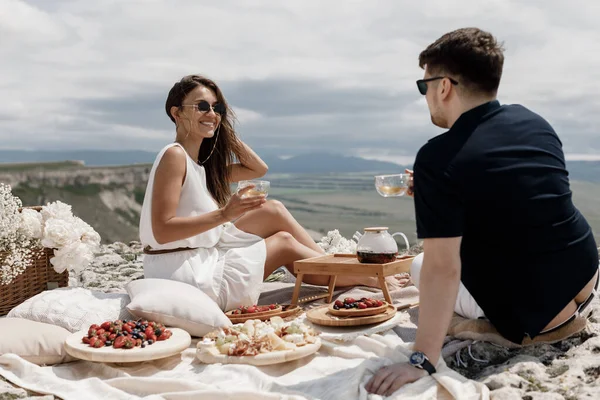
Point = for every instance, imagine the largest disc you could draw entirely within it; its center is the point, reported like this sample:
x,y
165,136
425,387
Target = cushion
x,y
175,304
483,330
74,309
36,342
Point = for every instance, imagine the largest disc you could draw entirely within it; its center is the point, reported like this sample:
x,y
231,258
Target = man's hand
x,y
391,378
411,184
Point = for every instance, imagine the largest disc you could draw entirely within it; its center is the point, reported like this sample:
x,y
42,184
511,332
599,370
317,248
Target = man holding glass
x,y
495,178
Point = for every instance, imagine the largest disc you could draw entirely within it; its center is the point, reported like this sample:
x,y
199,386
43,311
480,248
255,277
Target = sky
x,y
301,75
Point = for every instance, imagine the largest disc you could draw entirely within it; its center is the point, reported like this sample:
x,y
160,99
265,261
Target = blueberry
x,y
150,341
108,343
347,306
336,308
143,345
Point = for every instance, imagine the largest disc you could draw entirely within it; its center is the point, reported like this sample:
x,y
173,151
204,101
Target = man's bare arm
x,y
438,288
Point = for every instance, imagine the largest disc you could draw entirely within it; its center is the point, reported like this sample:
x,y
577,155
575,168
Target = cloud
x,y
302,76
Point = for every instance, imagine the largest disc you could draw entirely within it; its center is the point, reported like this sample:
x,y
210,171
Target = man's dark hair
x,y
469,55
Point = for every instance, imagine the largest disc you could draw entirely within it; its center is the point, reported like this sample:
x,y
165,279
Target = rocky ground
x,y
569,370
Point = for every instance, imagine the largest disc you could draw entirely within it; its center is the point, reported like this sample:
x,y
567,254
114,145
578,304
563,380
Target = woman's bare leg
x,y
284,249
273,217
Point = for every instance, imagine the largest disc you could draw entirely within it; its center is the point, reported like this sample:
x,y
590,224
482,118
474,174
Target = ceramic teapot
x,y
377,246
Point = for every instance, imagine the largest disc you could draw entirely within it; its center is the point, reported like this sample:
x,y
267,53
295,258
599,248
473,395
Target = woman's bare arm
x,y
168,181
251,166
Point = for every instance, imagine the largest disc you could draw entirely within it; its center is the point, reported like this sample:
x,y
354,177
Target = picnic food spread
x,y
255,337
124,334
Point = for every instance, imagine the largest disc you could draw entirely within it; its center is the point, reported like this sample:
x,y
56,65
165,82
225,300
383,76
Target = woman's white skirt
x,y
230,273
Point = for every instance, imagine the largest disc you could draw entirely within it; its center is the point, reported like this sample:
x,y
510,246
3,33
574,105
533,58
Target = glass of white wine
x,y
260,187
392,185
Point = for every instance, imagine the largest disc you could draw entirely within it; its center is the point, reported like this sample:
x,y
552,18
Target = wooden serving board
x,y
179,341
209,354
321,316
280,311
357,312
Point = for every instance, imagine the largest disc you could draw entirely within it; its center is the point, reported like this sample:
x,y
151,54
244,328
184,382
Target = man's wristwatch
x,y
419,360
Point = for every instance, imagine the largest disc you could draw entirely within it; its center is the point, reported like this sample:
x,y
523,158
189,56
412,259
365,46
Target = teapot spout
x,y
357,235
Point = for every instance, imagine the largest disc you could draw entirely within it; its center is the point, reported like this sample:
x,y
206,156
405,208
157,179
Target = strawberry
x,y
127,328
129,342
97,344
349,300
149,331
379,303
100,331
86,340
272,306
251,309
369,303
339,303
152,337
362,305
106,325
92,332
93,341
119,342
165,335
112,336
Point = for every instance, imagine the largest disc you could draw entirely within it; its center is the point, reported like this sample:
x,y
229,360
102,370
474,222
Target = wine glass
x,y
260,187
392,185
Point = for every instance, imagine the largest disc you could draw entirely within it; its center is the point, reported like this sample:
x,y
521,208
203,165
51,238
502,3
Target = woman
x,y
194,229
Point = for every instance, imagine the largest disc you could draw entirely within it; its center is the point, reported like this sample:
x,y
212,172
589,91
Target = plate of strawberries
x,y
127,341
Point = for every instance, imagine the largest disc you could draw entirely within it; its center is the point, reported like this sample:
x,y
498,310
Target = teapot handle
x,y
405,239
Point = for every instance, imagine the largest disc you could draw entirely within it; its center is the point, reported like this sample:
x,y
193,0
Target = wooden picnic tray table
x,y
347,264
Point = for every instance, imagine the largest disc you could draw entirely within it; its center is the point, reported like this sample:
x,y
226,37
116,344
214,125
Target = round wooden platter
x,y
357,312
280,311
179,341
208,354
321,316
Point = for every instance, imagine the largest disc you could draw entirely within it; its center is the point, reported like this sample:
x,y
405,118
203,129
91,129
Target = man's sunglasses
x,y
422,83
204,106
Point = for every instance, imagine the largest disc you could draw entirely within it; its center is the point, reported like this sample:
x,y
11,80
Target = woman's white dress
x,y
228,264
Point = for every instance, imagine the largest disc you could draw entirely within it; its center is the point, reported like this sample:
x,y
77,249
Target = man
x,y
493,207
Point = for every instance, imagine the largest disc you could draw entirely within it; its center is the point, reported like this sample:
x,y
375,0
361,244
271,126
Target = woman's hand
x,y
411,184
239,205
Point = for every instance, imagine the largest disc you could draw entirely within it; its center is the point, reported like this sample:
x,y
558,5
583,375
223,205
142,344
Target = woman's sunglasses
x,y
422,83
204,106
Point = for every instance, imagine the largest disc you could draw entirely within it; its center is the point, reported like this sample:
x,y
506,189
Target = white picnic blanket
x,y
337,371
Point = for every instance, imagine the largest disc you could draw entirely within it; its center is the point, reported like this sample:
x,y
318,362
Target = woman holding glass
x,y
194,229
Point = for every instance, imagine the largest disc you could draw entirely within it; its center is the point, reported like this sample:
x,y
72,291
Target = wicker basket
x,y
36,278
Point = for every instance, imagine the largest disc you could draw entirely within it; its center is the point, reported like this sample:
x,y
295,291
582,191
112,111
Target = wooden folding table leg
x,y
297,289
384,288
332,280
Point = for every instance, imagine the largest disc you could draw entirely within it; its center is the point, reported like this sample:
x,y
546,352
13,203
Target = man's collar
x,y
469,119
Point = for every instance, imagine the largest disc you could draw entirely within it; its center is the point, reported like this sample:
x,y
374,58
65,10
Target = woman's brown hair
x,y
227,145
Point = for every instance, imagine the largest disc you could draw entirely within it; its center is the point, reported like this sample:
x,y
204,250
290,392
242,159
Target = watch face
x,y
417,358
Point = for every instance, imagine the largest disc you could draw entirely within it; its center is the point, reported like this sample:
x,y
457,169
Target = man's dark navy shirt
x,y
498,179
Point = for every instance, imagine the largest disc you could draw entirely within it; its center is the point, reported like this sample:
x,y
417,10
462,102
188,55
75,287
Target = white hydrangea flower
x,y
75,256
87,234
59,233
57,210
334,243
31,223
22,233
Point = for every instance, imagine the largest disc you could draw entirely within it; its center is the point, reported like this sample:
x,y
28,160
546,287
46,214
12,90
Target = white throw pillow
x,y
175,304
74,309
36,342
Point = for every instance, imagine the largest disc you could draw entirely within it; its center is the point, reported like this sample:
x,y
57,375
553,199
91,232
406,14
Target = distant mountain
x,y
584,170
326,162
319,162
308,163
91,158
